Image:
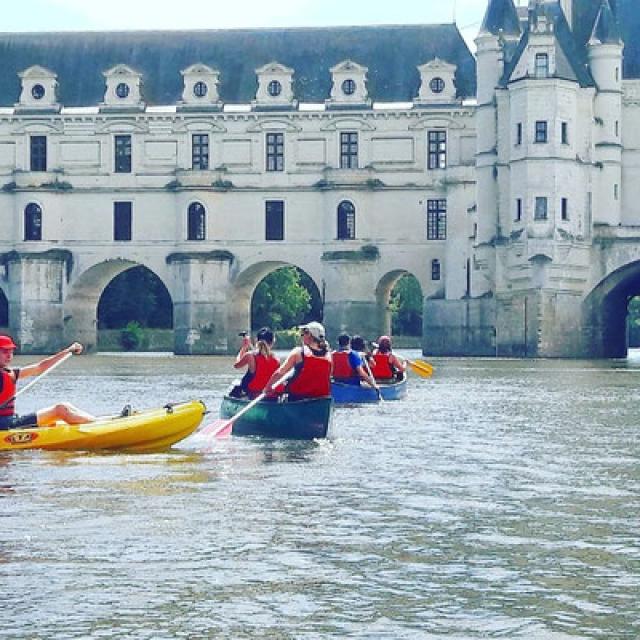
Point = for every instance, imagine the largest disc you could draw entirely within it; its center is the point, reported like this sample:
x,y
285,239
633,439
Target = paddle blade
x,y
217,429
422,368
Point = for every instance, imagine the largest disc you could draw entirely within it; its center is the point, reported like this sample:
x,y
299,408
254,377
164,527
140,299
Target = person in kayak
x,y
311,366
62,411
259,361
348,364
386,365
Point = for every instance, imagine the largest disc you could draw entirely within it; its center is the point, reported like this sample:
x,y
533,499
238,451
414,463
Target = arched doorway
x,y
4,311
137,306
400,298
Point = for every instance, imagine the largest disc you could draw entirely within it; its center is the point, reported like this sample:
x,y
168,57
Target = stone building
x,y
357,154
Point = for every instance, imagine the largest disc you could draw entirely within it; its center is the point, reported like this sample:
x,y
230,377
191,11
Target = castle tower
x,y
605,60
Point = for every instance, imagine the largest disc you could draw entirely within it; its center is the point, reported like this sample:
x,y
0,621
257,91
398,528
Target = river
x,y
501,500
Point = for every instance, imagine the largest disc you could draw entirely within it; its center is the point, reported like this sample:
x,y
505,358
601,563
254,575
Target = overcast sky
x,y
54,15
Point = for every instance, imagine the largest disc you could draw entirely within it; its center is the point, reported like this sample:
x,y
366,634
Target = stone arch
x,y
243,288
81,304
383,296
604,312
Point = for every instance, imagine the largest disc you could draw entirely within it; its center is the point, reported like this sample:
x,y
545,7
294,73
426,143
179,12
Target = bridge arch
x,y
384,290
605,312
81,304
244,286
4,310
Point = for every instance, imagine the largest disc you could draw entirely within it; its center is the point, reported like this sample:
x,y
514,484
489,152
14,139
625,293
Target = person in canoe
x,y
259,361
386,365
348,364
311,366
62,411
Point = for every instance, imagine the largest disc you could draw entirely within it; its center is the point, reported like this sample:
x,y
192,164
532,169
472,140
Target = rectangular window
x,y
274,220
564,209
616,192
541,209
564,132
542,65
519,133
541,131
122,218
200,151
518,209
436,219
123,154
437,150
435,269
38,155
275,151
349,150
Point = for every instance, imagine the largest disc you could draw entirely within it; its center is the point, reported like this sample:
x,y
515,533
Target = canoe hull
x,y
302,420
362,394
150,430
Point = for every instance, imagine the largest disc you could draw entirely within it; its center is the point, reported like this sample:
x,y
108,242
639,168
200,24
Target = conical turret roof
x,y
501,18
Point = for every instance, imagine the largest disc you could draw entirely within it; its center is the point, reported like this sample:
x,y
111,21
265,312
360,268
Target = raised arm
x,y
40,367
292,360
245,357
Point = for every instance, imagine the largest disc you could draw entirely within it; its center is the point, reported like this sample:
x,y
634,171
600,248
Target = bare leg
x,y
63,412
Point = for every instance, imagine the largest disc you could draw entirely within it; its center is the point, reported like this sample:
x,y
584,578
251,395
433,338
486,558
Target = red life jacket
x,y
381,366
342,368
8,392
312,378
265,366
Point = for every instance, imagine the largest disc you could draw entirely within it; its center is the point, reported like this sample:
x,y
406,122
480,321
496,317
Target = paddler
x,y
259,361
311,363
348,364
63,411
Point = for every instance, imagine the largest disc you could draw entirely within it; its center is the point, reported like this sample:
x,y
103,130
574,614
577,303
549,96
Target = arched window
x,y
196,222
346,221
33,222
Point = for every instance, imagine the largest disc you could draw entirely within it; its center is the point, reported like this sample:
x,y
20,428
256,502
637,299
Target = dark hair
x,y
265,334
344,339
357,343
264,341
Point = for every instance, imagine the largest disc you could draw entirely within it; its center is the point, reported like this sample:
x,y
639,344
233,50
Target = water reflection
x,y
500,500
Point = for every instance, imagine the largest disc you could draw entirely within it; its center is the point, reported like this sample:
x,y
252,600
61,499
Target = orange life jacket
x,y
265,366
312,378
342,368
381,367
8,392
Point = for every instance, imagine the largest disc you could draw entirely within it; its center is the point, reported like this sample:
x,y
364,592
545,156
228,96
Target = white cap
x,y
315,329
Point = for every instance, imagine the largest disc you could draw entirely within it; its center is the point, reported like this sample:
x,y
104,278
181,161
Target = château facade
x,y
506,183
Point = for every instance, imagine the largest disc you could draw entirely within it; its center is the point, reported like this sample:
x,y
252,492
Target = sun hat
x,y
7,343
314,328
384,342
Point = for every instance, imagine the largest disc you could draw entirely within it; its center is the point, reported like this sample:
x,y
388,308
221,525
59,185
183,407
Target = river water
x,y
501,500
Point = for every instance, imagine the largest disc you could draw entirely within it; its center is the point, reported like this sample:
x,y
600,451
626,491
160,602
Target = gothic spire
x,y
605,28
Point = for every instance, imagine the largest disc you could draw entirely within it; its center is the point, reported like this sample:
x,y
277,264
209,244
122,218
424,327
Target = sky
x,y
74,15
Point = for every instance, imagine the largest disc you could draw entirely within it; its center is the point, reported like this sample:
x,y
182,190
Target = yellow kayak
x,y
149,430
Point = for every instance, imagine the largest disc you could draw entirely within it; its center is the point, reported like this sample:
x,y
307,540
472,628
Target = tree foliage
x,y
285,298
136,295
633,320
406,307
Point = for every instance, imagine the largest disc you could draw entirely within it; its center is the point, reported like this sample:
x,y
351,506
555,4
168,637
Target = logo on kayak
x,y
21,438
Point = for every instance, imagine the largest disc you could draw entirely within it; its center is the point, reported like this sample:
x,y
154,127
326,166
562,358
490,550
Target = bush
x,y
132,336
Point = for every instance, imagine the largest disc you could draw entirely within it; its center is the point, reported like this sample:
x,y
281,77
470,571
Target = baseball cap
x,y
314,328
7,343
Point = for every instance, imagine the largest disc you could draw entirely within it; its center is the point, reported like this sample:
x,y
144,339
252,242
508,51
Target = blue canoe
x,y
300,420
362,394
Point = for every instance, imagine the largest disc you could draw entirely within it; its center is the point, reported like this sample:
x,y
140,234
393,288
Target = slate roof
x,y
391,53
501,17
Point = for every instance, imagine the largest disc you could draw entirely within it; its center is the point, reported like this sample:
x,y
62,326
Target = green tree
x,y
136,295
633,320
281,300
406,307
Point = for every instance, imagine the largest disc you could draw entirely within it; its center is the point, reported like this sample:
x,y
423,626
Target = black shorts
x,y
27,421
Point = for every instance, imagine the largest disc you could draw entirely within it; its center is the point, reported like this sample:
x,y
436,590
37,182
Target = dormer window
x,y
200,87
542,65
38,91
274,88
122,90
437,85
348,87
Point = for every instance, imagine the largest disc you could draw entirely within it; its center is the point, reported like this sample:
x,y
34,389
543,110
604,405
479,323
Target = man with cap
x,y
63,411
310,363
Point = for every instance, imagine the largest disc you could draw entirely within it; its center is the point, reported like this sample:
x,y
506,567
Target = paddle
x,y
422,368
38,378
375,385
222,427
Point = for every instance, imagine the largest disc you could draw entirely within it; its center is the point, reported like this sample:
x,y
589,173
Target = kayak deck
x,y
148,430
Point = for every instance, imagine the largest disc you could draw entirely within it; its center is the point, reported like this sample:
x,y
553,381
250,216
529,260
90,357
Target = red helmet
x,y
7,343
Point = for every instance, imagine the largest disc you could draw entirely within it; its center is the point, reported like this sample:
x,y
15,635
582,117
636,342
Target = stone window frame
x,y
436,269
33,222
274,220
541,209
349,142
274,151
346,220
38,153
200,151
123,153
436,149
196,222
541,135
122,221
437,219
